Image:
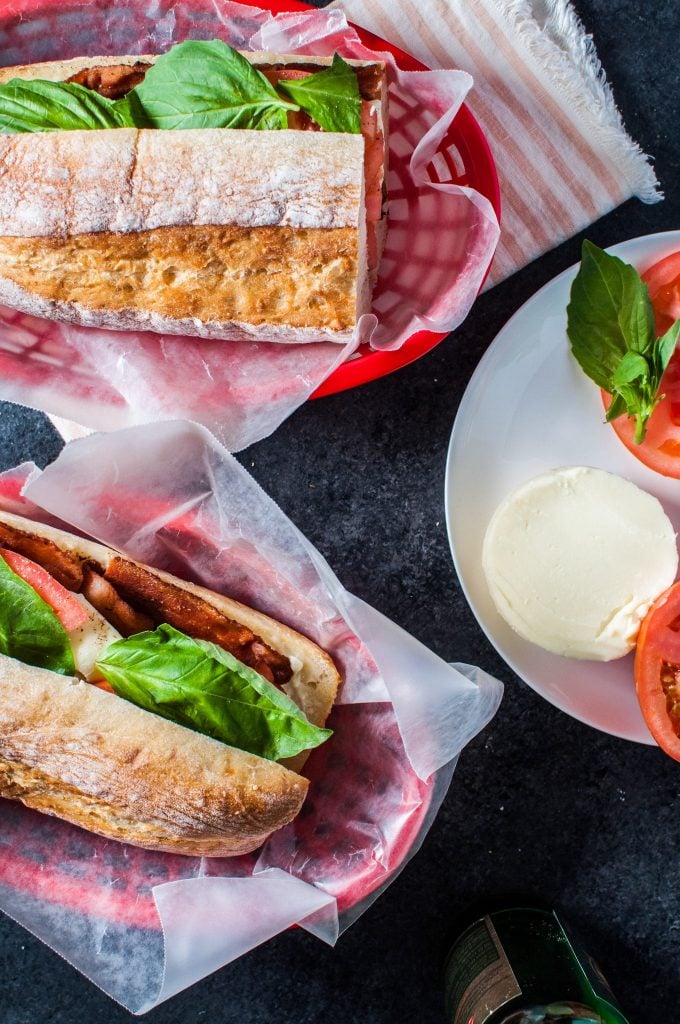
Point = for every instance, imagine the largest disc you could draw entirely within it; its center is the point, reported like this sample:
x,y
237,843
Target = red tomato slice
x,y
663,281
657,670
103,685
660,449
68,610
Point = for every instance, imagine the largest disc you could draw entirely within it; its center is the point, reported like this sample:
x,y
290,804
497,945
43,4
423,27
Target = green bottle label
x,y
520,965
482,980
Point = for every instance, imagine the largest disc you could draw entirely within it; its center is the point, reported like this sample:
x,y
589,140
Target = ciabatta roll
x,y
73,750
220,233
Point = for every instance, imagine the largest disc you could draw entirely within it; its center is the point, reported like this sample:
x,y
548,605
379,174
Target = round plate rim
x,y
660,237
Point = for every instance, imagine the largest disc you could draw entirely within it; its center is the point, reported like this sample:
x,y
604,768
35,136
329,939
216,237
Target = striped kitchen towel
x,y
563,155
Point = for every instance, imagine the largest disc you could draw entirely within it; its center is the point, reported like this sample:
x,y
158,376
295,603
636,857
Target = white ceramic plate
x,y
529,408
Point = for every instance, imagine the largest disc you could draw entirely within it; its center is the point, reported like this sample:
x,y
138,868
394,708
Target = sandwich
x,y
202,192
145,708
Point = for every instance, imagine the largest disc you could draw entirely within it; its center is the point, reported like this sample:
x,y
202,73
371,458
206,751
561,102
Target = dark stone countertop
x,y
539,801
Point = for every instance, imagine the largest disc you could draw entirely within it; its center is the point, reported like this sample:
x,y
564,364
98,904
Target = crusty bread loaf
x,y
106,228
127,229
74,751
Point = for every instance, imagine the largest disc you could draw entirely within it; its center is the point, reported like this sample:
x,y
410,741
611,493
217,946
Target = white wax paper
x,y
440,241
142,925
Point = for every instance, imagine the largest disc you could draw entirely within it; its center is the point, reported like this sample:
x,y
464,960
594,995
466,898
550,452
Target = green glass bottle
x,y
521,965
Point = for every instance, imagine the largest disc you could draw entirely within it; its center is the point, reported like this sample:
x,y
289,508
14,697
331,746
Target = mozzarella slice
x,y
90,640
575,558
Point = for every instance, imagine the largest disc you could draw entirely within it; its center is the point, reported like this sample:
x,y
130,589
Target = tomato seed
x,y
670,682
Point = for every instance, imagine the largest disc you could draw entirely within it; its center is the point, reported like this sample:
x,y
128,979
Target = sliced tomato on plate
x,y
660,449
663,281
65,606
657,670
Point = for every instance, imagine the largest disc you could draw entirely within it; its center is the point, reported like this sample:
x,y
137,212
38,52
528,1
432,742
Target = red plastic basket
x,y
53,861
124,905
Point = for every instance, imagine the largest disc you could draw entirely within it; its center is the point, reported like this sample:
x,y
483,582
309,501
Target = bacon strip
x,y
111,605
165,602
147,601
111,80
65,567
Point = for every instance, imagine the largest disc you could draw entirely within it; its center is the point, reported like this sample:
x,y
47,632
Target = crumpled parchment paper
x,y
143,925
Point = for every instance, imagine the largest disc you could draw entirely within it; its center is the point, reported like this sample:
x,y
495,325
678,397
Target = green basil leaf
x,y
38,106
130,109
200,686
609,314
664,347
632,367
610,324
208,85
331,97
617,407
29,629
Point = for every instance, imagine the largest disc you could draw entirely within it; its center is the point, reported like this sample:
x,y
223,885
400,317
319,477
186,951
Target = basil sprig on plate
x,y
200,686
610,324
29,629
196,84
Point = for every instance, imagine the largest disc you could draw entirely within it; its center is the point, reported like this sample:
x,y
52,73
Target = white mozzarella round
x,y
90,640
574,559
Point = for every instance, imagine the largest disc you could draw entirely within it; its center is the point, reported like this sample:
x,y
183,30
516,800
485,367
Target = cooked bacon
x,y
111,80
65,567
103,596
165,602
273,666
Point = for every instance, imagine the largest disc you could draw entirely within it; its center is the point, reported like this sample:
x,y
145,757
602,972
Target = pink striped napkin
x,y
563,155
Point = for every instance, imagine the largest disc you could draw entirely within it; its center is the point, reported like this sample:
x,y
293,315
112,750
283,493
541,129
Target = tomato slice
x,y
65,606
660,449
101,684
657,670
663,281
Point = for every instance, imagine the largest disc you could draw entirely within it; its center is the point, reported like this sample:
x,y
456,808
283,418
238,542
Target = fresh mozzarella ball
x,y
575,558
90,640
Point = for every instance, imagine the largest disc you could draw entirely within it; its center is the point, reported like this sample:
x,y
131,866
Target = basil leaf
x,y
331,97
29,629
617,407
609,304
208,85
610,324
198,685
38,106
664,347
632,367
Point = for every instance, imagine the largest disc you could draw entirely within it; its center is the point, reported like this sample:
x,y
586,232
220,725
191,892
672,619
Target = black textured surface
x,y
539,801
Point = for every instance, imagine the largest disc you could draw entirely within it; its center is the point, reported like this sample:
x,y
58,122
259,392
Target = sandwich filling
x,y
152,642
133,599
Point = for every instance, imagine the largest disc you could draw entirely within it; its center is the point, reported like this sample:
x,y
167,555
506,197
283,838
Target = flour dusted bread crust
x,y
71,750
74,751
219,233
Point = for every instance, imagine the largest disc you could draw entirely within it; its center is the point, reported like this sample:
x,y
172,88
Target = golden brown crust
x,y
69,749
303,280
61,185
266,275
72,750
